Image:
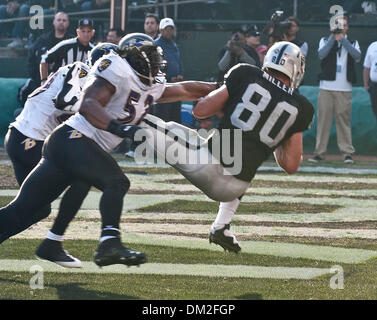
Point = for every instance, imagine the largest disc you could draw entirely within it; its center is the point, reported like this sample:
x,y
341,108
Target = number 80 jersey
x,y
267,111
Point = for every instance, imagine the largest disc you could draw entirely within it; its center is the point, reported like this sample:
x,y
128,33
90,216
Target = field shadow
x,y
74,291
250,296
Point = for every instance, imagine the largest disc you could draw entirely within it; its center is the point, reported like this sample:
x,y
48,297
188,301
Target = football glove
x,y
122,130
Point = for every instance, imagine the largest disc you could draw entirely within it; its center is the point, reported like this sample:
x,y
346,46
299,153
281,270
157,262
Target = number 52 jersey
x,y
267,111
129,104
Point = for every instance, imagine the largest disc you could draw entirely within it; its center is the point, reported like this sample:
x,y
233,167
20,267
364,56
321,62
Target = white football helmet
x,y
286,58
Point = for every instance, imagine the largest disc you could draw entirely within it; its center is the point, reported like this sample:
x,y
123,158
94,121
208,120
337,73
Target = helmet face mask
x,y
288,59
143,56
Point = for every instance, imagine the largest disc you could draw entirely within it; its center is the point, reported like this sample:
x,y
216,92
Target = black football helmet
x,y
100,50
143,55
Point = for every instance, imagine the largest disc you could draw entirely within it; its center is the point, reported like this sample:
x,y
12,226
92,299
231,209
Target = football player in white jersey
x,y
45,108
120,89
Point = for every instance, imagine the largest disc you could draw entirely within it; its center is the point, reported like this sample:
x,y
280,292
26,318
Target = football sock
x,y
225,213
53,236
109,232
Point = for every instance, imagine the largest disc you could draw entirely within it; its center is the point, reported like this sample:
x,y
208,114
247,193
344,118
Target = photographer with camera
x,y
233,53
276,29
291,35
279,29
338,55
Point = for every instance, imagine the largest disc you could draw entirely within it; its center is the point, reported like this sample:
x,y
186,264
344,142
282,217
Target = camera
x,y
337,27
277,27
235,42
337,31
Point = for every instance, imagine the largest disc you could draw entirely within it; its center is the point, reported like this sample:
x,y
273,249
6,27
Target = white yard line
x,y
322,170
205,270
135,201
91,229
309,169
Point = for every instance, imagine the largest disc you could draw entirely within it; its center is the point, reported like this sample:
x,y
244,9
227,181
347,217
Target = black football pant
x,y
67,157
25,153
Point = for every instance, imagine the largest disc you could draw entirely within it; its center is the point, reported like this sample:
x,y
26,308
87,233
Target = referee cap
x,y
85,23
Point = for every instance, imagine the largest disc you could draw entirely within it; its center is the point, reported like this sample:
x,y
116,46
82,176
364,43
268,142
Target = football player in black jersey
x,y
269,116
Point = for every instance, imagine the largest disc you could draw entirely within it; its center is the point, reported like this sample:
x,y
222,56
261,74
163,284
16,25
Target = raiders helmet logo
x,y
104,64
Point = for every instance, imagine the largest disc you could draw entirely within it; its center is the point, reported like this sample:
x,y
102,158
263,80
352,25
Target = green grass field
x,y
306,236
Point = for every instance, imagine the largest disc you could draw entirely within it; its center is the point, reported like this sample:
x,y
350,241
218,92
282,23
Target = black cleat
x,y
111,251
225,238
53,251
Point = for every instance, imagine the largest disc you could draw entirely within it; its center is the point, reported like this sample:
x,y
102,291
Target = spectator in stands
x,y
233,53
370,75
14,9
252,38
169,111
68,51
291,35
151,25
338,55
114,35
45,42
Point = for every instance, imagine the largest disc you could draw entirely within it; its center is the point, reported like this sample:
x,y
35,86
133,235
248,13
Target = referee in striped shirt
x,y
70,50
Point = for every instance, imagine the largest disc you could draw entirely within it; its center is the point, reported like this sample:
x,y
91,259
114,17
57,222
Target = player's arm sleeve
x,y
305,115
236,74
